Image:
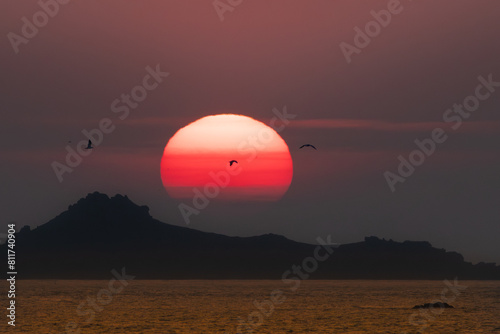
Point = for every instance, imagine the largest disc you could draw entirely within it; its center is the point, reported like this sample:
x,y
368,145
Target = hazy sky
x,y
68,74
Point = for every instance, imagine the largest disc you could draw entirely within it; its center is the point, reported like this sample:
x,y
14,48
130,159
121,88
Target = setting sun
x,y
199,155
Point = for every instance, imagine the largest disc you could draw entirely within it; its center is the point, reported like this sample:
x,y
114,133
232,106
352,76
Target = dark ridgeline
x,y
99,233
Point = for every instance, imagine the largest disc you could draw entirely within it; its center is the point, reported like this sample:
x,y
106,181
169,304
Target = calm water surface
x,y
47,306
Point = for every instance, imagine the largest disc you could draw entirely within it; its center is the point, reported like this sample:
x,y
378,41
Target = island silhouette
x,y
100,233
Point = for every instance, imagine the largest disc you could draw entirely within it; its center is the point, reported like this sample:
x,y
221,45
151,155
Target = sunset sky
x,y
264,58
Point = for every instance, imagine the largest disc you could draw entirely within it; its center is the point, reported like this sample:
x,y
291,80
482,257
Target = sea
x,y
251,306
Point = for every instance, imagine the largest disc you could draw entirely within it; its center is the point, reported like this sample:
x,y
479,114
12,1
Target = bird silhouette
x,y
232,162
308,145
89,145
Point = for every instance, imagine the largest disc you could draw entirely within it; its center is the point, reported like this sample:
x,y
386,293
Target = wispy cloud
x,y
377,125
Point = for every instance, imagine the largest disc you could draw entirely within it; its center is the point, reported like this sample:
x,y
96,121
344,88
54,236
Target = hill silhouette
x,y
100,233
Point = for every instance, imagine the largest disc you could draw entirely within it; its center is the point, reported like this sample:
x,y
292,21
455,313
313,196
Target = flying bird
x,y
232,162
89,145
308,145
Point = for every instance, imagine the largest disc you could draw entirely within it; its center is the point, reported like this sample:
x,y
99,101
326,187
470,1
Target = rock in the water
x,y
433,305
